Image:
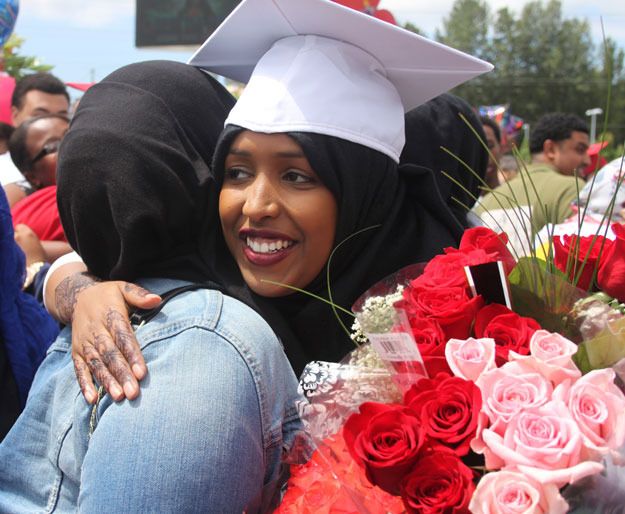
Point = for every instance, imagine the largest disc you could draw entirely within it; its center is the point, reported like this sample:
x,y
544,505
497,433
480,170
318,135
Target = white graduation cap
x,y
317,66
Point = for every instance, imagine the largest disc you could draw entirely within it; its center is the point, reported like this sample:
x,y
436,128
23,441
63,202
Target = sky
x,y
87,39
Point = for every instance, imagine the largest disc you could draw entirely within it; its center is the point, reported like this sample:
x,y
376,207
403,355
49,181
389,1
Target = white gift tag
x,y
395,347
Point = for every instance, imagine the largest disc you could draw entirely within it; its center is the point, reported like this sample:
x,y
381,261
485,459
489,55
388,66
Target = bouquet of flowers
x,y
460,403
596,264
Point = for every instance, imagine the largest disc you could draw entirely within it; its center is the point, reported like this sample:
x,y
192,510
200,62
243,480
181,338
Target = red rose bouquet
x,y
465,405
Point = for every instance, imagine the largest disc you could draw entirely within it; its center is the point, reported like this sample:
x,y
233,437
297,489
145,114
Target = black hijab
x,y
437,123
134,171
415,224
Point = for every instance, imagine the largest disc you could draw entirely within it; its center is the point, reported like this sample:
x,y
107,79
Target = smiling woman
x,y
278,218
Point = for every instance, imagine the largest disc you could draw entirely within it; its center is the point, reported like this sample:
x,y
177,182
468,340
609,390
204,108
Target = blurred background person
x,y
37,94
544,190
13,182
597,161
5,134
508,168
493,141
599,205
34,95
26,329
34,147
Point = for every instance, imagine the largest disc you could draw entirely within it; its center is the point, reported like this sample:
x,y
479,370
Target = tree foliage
x,y
543,61
18,65
413,28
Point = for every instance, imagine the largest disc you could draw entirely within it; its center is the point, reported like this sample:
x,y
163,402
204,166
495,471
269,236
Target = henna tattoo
x,y
82,374
111,358
102,375
66,293
116,366
133,288
119,327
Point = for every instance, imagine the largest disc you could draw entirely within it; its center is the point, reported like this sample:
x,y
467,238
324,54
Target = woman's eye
x,y
236,174
297,177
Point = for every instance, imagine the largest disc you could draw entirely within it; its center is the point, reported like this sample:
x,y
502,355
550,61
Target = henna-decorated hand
x,y
103,342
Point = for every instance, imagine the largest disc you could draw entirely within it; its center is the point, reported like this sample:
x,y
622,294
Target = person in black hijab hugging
x,y
218,407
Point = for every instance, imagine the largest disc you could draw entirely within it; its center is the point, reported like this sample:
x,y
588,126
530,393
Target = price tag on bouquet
x,y
401,355
395,347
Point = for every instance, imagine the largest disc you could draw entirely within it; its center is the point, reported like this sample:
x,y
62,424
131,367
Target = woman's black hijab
x,y
134,171
437,124
414,225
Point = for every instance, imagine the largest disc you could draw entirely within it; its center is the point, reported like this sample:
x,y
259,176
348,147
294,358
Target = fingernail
x,y
116,391
130,389
90,397
138,371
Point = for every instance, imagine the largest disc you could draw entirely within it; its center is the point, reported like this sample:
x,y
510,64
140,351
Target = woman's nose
x,y
262,200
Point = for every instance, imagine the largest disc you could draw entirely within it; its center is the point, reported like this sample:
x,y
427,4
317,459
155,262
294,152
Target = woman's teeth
x,y
264,247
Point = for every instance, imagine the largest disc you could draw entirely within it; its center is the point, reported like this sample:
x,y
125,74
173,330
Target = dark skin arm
x,y
103,341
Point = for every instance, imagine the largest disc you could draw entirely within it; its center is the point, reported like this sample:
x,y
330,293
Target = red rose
x,y
509,330
313,487
430,339
386,441
491,242
451,307
447,270
570,252
438,484
611,276
448,408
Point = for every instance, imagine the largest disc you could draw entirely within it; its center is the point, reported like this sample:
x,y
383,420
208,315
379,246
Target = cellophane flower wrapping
x,y
387,328
331,481
494,415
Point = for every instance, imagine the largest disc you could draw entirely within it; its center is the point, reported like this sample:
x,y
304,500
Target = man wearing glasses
x,y
34,146
34,95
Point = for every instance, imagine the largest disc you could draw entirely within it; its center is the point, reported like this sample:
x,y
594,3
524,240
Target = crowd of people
x,y
196,220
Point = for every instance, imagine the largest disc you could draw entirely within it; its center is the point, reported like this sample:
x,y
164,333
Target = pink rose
x,y
470,358
507,391
545,443
550,356
598,407
511,492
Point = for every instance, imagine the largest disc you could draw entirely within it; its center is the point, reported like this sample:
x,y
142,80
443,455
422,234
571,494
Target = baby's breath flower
x,y
366,357
357,335
378,314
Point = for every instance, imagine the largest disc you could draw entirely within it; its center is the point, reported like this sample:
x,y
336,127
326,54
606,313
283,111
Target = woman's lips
x,y
266,249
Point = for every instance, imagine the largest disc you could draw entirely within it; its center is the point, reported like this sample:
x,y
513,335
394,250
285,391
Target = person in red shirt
x,y
34,146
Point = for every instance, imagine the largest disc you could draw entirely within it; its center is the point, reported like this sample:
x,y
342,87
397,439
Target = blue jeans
x,y
207,433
